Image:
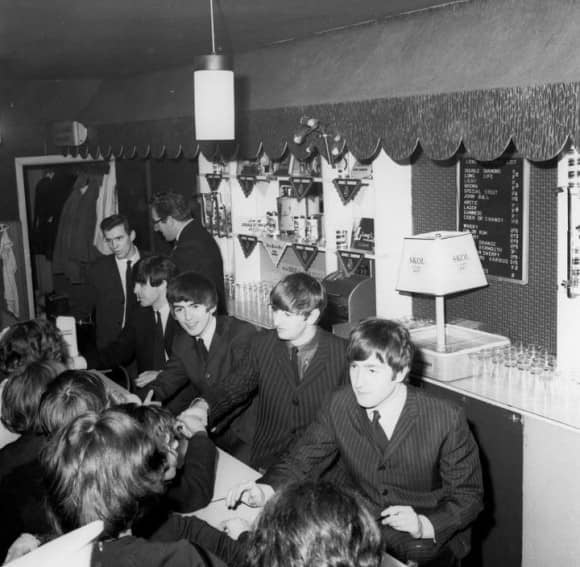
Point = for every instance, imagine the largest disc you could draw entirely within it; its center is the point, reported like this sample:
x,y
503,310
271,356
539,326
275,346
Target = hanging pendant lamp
x,y
213,91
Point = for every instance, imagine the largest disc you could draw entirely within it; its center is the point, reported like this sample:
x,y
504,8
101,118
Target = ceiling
x,y
67,39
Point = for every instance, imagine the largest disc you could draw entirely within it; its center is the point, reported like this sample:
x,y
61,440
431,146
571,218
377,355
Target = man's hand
x,y
403,519
198,409
250,493
146,378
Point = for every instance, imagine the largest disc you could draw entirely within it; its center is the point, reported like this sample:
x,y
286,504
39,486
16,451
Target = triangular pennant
x,y
301,186
247,183
214,180
347,188
275,249
248,243
350,260
306,254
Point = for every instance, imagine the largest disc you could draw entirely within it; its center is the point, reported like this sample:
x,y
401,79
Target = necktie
x,y
128,289
378,431
159,343
295,360
201,350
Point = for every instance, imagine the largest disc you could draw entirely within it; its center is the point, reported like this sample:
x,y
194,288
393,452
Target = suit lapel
x,y
169,334
406,423
319,361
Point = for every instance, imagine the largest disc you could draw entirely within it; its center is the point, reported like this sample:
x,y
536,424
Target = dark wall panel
x,y
522,312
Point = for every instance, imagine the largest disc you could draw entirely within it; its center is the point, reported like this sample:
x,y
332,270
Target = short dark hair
x,y
22,394
154,269
388,340
111,222
158,422
307,524
298,293
69,395
171,204
101,467
194,287
29,341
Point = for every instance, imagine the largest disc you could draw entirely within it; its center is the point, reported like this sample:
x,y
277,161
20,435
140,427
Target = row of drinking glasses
x,y
249,300
532,359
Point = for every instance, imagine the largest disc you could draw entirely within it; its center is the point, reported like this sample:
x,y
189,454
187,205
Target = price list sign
x,y
493,206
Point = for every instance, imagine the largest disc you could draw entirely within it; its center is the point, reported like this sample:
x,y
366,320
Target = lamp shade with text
x,y
214,104
440,263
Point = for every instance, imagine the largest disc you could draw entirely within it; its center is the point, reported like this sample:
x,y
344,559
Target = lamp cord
x,y
212,27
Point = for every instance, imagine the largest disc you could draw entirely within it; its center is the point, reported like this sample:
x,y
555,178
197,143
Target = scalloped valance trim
x,y
538,120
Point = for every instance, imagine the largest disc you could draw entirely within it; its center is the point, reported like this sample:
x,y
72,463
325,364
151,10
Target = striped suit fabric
x,y
430,463
286,407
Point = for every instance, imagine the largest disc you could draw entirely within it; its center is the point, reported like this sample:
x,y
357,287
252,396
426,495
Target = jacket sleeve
x,y
461,481
171,380
310,455
238,386
192,489
201,533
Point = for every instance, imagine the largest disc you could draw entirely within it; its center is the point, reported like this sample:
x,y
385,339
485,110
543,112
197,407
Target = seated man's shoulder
x,y
342,399
436,404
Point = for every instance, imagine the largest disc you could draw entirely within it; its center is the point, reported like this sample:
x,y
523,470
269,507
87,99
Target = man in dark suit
x,y
294,369
111,289
206,353
194,250
148,335
411,456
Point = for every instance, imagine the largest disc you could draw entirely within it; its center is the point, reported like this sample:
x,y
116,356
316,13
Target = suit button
x,y
295,401
293,431
385,492
208,375
381,468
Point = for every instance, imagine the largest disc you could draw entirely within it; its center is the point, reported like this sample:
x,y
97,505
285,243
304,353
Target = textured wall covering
x,y
521,312
538,120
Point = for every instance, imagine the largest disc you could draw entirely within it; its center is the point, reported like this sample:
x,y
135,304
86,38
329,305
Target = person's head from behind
x,y
169,212
193,300
160,425
379,354
151,276
119,236
297,301
69,395
313,524
22,394
30,341
101,467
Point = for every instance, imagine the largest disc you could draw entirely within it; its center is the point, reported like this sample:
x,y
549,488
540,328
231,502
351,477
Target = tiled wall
x,y
522,312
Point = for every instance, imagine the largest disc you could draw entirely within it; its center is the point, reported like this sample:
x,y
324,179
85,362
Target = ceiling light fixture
x,y
213,86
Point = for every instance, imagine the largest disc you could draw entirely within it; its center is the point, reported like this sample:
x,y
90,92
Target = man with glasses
x,y
194,248
207,352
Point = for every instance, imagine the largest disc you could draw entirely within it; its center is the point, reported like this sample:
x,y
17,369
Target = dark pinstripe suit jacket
x,y
285,407
186,376
431,462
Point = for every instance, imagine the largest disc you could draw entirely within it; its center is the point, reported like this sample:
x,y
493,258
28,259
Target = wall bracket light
x,y
333,145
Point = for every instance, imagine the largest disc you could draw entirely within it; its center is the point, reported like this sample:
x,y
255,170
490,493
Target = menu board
x,y
493,206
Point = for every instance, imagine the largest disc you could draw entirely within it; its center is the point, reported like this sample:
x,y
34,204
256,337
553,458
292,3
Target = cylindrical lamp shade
x,y
214,104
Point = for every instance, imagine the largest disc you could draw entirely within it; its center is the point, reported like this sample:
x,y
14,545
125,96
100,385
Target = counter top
x,y
555,399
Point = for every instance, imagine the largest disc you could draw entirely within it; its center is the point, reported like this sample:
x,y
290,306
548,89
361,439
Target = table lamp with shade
x,y
444,263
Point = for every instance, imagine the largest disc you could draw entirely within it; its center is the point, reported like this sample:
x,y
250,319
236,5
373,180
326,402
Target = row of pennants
x,y
347,188
306,253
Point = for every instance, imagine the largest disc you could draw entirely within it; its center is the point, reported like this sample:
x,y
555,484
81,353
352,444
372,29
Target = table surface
x,y
555,399
231,471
